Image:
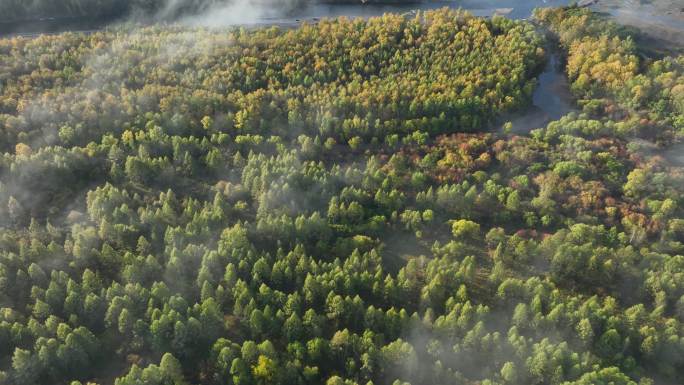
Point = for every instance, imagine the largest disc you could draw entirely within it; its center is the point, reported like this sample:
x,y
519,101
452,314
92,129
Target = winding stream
x,y
551,99
516,9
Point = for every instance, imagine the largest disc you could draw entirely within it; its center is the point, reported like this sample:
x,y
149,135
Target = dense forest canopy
x,y
332,204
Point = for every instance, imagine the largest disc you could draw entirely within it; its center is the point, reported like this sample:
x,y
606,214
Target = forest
x,y
341,203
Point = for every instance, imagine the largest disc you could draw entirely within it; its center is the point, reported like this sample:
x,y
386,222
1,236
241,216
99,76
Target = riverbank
x,y
52,25
662,21
259,17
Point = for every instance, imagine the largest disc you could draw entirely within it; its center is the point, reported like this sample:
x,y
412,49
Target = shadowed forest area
x,y
341,203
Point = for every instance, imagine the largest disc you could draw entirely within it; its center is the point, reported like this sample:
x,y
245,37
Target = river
x,y
262,16
551,99
516,9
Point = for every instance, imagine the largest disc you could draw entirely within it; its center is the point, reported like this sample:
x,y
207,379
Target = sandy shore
x,y
660,19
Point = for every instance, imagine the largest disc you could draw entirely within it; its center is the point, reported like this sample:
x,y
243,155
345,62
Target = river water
x,y
516,9
551,99
264,16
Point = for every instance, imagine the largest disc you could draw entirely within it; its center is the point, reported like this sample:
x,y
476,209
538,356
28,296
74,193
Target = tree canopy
x,y
331,205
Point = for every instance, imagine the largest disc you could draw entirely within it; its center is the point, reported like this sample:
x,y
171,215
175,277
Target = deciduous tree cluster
x,y
613,79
